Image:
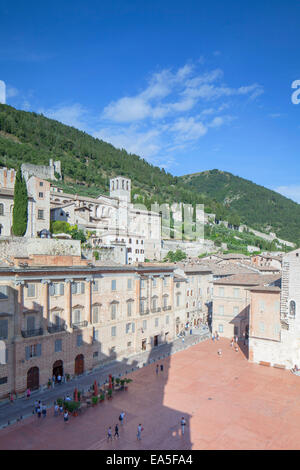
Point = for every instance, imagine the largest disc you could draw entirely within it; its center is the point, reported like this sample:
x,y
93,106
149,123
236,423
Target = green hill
x,y
258,207
88,163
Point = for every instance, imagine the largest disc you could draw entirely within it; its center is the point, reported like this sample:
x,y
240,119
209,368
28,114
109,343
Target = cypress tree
x,y
20,211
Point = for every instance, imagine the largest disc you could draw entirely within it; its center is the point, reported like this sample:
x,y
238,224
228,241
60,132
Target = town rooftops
x,y
248,280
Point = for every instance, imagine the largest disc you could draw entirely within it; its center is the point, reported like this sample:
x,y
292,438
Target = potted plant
x,y
78,395
94,400
59,401
49,383
102,397
109,394
67,377
127,381
122,383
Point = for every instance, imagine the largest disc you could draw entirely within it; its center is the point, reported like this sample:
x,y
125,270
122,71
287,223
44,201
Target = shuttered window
x,y
3,329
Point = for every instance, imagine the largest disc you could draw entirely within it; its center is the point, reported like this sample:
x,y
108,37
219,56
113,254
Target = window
x,y
40,214
113,311
3,380
58,345
221,309
1,209
77,316
41,195
129,284
33,350
156,321
129,344
142,306
128,325
78,288
3,329
292,309
95,312
221,329
41,183
177,285
129,308
95,287
79,340
95,354
95,335
30,290
144,324
236,292
30,323
113,285
221,291
56,289
154,282
114,331
165,301
235,310
154,303
3,292
165,281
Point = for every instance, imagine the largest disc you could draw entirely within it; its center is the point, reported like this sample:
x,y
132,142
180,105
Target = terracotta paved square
x,y
228,403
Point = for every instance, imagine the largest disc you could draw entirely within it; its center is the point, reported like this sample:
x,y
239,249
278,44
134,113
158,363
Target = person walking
x,y
232,341
56,409
220,352
161,367
66,416
116,431
59,379
44,410
157,369
213,338
139,432
121,417
39,412
182,424
109,434
28,393
217,336
61,409
36,405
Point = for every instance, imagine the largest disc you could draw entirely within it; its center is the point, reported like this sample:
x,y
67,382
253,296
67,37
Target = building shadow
x,y
50,358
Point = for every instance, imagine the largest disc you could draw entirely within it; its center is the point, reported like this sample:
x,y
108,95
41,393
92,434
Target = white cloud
x,y
291,191
141,143
188,129
72,115
2,92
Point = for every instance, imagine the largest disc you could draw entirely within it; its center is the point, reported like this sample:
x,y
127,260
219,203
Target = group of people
x,y
157,368
116,434
234,340
215,336
40,409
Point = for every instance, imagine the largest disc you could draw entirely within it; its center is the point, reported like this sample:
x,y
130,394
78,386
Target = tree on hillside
x,y
20,210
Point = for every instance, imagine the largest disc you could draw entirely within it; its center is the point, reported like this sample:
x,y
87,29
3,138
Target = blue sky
x,y
188,85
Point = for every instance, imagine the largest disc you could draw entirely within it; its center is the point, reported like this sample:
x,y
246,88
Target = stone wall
x,y
12,247
190,248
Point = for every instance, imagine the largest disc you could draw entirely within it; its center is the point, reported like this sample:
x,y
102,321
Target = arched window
x,y
113,186
127,186
292,309
1,209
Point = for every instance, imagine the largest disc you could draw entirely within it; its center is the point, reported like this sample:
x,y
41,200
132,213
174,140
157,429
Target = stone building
x,y
61,314
231,302
38,203
112,219
275,336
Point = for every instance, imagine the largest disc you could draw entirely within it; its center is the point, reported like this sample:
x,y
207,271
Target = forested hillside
x,y
88,163
257,206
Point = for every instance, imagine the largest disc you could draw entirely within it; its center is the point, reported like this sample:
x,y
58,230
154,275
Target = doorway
x,y
144,343
79,364
33,378
58,369
155,342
